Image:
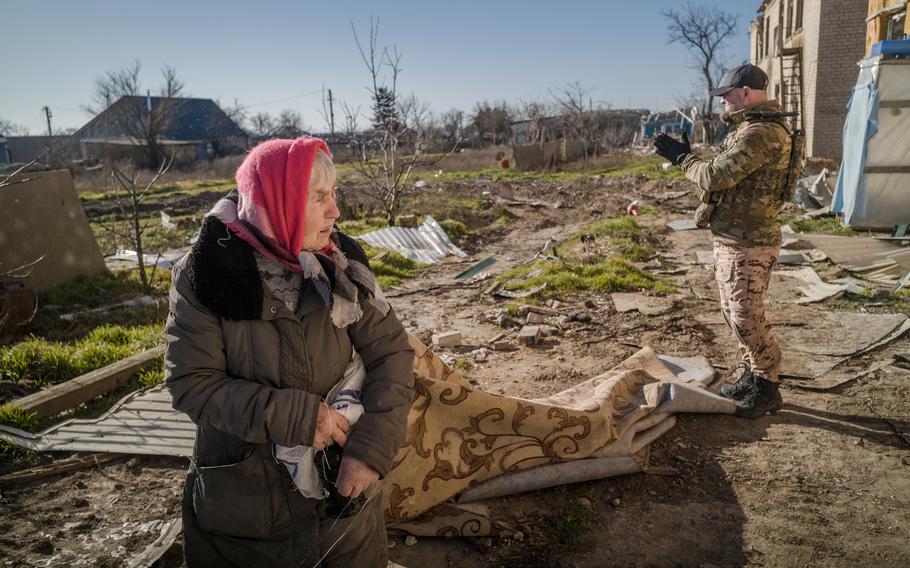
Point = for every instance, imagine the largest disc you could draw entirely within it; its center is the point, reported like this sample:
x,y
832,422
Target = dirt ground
x,y
824,482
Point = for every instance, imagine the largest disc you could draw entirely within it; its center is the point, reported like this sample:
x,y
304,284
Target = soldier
x,y
741,192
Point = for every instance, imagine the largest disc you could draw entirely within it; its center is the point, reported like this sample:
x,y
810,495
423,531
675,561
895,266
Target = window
x,y
789,18
767,35
799,15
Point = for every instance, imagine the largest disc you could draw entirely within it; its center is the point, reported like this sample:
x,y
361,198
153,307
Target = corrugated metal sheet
x,y
141,423
428,243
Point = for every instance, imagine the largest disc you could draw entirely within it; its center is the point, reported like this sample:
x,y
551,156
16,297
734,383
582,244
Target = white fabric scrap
x,y
345,398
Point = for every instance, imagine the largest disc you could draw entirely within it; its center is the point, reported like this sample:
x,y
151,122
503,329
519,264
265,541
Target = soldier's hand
x,y
671,149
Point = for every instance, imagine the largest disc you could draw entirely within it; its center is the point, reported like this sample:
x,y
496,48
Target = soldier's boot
x,y
761,397
738,381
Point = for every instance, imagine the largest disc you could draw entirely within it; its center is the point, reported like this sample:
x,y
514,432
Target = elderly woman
x,y
266,313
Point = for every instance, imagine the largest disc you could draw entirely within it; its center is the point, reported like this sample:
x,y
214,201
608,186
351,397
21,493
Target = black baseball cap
x,y
747,75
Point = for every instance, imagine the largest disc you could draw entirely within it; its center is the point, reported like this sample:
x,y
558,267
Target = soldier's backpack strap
x,y
797,148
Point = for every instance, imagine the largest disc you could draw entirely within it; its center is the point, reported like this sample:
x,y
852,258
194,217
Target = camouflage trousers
x,y
743,274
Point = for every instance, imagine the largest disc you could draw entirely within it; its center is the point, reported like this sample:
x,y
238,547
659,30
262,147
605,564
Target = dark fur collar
x,y
223,272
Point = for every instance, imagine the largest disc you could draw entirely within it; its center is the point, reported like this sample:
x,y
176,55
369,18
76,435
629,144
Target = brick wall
x,y
841,43
833,40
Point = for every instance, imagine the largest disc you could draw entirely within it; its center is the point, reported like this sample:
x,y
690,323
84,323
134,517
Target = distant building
x,y
190,129
52,149
672,123
809,49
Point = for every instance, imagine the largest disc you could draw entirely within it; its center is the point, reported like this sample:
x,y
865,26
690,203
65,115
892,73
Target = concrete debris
x,y
407,221
529,335
447,339
535,318
590,304
548,331
501,345
646,305
580,317
479,355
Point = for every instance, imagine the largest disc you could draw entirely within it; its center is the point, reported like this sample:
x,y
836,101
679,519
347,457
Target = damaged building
x,y
809,49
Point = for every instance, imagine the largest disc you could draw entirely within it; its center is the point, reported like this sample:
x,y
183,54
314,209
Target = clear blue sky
x,y
454,53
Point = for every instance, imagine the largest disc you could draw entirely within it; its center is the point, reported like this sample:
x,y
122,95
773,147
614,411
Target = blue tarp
x,y
861,125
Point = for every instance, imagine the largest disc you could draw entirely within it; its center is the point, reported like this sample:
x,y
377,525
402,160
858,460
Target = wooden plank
x,y
56,399
59,467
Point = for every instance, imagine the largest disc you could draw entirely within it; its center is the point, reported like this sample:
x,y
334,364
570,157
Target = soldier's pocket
x,y
737,280
234,499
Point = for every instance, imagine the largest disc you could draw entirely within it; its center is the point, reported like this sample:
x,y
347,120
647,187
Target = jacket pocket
x,y
234,499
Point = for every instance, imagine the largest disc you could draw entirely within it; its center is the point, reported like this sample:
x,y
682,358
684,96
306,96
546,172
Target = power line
x,y
286,99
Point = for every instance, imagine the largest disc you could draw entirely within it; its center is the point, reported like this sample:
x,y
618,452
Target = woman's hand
x,y
331,426
354,477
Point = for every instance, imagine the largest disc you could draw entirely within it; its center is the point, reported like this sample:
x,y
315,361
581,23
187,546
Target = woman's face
x,y
321,213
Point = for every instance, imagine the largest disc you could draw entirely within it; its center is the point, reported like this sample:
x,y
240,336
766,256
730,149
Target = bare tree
x,y
574,104
388,153
262,124
452,124
128,194
491,123
534,112
702,30
142,120
9,128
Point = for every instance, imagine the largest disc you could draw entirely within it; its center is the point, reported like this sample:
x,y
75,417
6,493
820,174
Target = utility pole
x,y
331,113
48,114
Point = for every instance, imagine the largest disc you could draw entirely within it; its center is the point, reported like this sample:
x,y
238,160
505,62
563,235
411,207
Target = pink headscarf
x,y
273,183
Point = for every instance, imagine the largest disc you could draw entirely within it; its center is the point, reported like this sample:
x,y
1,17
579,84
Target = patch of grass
x,y
151,376
463,364
455,230
900,301
511,310
103,289
41,362
18,418
572,523
821,225
171,189
600,274
626,238
391,268
357,227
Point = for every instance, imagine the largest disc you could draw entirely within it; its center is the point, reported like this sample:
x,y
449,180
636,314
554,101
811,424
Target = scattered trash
x,y
479,355
134,303
807,288
428,243
419,184
814,192
633,208
410,540
476,268
682,225
447,339
880,261
164,260
166,222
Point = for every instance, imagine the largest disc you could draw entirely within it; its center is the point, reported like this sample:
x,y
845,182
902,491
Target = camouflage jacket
x,y
743,183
